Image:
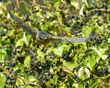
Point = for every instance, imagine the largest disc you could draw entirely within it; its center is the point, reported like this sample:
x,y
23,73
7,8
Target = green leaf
x,y
81,73
100,30
26,41
56,79
3,54
87,31
108,18
81,10
69,65
75,4
27,61
96,83
49,14
2,57
108,40
56,4
10,32
67,29
104,57
81,85
2,80
86,2
67,47
59,17
20,42
44,28
59,50
100,53
52,23
91,61
32,79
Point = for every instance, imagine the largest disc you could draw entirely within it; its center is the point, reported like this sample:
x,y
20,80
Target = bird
x,y
44,37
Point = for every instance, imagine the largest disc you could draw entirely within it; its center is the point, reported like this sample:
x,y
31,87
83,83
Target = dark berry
x,y
99,24
60,7
74,76
8,77
73,69
10,72
99,71
15,73
1,63
105,71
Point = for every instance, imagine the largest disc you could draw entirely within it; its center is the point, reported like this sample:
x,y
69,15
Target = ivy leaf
x,y
2,80
59,17
56,79
86,2
100,52
81,73
27,61
75,4
59,50
20,42
56,4
108,18
108,40
68,65
81,10
44,28
25,39
91,61
2,57
10,32
52,23
49,14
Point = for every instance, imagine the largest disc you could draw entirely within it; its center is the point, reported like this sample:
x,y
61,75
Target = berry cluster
x,y
2,31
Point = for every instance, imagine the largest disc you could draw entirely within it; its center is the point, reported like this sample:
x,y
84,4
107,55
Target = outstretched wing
x,y
69,39
23,25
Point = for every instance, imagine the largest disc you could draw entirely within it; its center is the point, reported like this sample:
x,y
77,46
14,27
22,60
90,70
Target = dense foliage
x,y
26,64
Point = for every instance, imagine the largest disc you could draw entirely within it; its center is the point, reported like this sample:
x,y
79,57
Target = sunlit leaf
x,y
56,4
75,4
86,2
49,14
44,27
91,62
2,80
20,42
25,39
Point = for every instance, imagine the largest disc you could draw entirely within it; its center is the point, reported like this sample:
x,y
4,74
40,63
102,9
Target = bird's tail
x,y
23,25
13,16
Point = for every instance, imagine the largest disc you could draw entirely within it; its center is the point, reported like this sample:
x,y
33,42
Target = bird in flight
x,y
43,37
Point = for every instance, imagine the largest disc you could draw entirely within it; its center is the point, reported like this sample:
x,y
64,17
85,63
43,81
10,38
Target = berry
x,y
74,76
60,7
15,73
27,18
105,71
99,71
10,72
25,67
99,24
8,77
73,69
1,63
44,50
